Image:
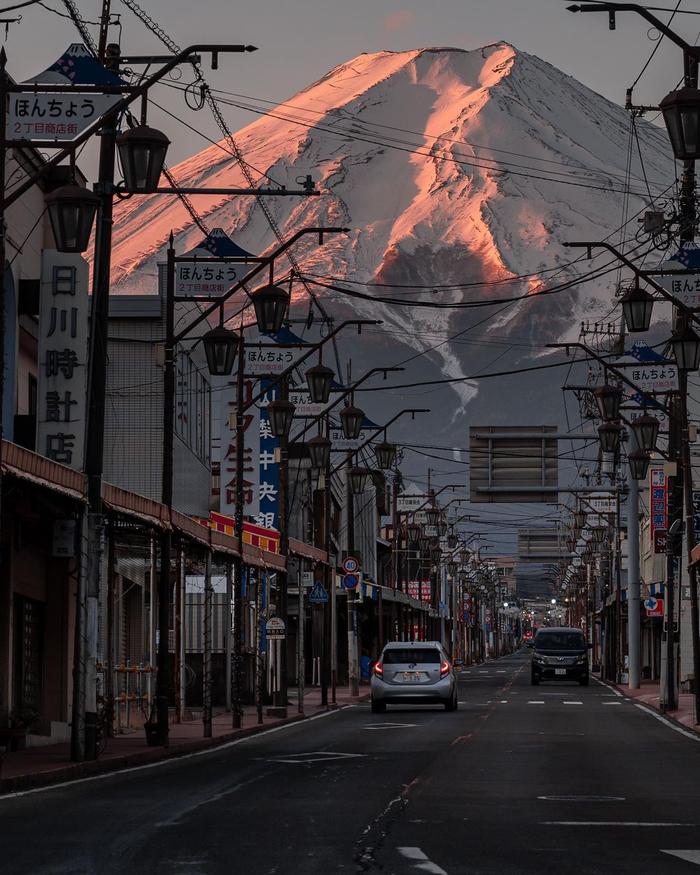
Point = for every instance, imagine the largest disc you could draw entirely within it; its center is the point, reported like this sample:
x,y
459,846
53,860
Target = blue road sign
x,y
350,581
318,594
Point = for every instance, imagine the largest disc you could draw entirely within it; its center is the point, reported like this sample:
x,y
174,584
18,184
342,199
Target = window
x,y
411,655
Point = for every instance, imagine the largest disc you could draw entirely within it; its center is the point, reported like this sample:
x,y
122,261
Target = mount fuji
x,y
460,174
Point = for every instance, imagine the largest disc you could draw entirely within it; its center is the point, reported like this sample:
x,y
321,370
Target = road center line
x,y
640,823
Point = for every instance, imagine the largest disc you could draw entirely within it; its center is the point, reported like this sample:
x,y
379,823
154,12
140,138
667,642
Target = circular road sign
x,y
351,565
350,581
650,604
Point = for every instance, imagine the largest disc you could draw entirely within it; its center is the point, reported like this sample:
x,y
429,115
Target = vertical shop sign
x,y
268,457
63,345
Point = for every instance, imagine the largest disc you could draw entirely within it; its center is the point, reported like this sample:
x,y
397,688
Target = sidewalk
x,y
51,764
648,694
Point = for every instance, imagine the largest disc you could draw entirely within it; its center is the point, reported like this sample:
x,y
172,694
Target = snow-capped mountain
x,y
450,168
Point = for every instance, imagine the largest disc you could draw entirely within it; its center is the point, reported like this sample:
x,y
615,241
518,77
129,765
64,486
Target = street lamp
x,y
413,533
358,480
351,419
637,305
451,541
580,518
686,349
142,155
220,347
385,454
639,464
319,379
646,431
280,413
271,303
424,543
432,515
319,448
608,399
609,435
72,211
681,111
598,534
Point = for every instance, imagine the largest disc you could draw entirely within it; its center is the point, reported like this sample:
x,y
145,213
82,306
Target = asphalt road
x,y
550,779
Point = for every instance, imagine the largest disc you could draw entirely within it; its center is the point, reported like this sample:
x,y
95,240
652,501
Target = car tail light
x,y
444,668
378,669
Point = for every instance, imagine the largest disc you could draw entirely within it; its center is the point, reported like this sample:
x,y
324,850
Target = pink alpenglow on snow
x,y
449,167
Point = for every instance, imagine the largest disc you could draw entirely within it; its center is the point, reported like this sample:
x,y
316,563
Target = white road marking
x,y
500,671
583,798
375,726
315,756
536,702
613,691
687,732
172,760
504,701
482,672
422,862
688,856
569,702
641,823
611,703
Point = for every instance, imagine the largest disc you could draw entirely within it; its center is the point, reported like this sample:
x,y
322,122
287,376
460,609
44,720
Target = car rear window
x,y
560,641
417,655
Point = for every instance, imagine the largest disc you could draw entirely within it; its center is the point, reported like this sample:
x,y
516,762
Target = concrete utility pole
x,y
633,618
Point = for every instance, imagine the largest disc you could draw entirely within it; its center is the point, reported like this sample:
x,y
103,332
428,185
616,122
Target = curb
x,y
650,708
76,771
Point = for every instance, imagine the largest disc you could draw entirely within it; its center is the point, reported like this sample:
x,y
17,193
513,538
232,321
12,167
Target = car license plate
x,y
559,671
411,677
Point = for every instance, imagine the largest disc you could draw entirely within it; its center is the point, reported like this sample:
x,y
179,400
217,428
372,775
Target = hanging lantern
x,y
681,111
639,464
358,480
424,543
220,348
319,449
608,400
271,304
580,518
72,211
686,349
637,306
435,556
413,530
451,541
464,556
319,379
432,514
281,415
609,435
385,454
452,568
598,534
142,155
646,431
351,419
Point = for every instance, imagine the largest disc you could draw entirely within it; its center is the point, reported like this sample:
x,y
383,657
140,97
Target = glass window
x,y
417,655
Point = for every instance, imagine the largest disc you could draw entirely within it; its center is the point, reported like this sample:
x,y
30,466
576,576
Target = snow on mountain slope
x,y
409,150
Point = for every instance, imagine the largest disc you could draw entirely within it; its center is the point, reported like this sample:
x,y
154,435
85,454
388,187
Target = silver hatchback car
x,y
413,673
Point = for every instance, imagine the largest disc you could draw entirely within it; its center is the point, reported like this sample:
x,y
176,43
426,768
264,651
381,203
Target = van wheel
x,y
584,681
378,707
452,704
534,680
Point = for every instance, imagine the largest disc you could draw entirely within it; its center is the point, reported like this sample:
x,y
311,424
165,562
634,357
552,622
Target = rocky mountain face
x,y
460,175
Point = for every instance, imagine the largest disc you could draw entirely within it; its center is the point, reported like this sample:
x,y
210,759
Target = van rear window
x,y
417,655
560,641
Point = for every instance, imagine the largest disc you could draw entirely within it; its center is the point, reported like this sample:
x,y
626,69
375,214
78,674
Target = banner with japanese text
x,y
63,351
